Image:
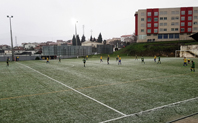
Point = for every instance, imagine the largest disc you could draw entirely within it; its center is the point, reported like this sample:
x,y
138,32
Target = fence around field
x,y
20,57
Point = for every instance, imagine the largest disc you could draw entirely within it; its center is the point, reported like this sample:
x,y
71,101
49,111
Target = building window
x,y
161,13
155,24
176,12
182,24
142,13
176,29
182,29
149,19
165,29
142,25
148,34
176,35
161,24
155,19
155,13
176,23
170,36
172,29
142,30
195,23
176,18
195,28
173,12
161,29
165,18
190,12
165,24
172,23
142,19
161,18
148,30
189,29
195,17
149,25
189,24
189,18
195,11
159,36
149,13
165,12
172,18
182,12
183,18
155,30
165,36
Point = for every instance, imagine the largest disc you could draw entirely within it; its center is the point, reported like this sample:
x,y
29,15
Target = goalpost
x,y
186,53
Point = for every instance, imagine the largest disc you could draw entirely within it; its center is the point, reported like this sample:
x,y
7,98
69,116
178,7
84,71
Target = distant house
x,y
3,47
126,38
90,43
29,45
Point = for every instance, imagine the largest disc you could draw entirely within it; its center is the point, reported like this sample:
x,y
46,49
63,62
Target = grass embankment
x,y
154,48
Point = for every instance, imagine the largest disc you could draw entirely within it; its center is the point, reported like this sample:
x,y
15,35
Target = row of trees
x,y
83,39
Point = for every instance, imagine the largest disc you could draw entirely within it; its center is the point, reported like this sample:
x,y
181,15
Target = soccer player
x,y
136,58
159,60
59,59
84,61
188,61
142,60
87,57
108,59
154,58
47,60
193,67
101,59
117,57
119,62
185,62
7,61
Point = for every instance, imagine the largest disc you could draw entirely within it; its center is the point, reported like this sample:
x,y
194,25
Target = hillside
x,y
154,48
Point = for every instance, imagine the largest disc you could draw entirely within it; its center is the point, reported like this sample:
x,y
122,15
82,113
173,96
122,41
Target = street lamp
x,y
76,32
11,36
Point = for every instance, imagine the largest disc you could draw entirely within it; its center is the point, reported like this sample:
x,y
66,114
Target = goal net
x,y
186,53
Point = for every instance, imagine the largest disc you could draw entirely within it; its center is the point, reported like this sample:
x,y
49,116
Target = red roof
x,y
126,35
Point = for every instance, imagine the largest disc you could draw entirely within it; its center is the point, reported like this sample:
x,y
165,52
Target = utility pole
x,y
11,36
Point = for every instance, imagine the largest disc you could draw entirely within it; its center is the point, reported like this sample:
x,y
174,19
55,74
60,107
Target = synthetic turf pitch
x,y
33,91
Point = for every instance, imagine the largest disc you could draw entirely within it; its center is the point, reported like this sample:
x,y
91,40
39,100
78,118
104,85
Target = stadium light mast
x,y
11,36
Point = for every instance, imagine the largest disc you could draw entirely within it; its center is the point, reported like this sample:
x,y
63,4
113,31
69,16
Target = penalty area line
x,y
76,90
149,110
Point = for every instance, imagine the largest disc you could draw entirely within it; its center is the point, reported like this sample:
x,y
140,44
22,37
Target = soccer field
x,y
33,91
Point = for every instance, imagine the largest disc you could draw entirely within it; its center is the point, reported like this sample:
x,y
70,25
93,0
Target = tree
x,y
104,42
83,39
74,41
134,38
91,38
94,39
78,40
99,38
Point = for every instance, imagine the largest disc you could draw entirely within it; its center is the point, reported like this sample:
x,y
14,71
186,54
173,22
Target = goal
x,y
186,53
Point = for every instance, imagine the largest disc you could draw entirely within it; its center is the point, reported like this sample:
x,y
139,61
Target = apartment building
x,y
166,24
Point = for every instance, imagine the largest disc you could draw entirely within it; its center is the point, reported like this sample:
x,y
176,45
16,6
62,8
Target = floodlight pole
x,y
11,36
76,32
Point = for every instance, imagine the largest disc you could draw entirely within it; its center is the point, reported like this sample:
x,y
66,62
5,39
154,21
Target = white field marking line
x,y
153,109
76,91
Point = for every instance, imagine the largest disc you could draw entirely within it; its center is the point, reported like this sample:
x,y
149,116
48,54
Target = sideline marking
x,y
149,110
76,90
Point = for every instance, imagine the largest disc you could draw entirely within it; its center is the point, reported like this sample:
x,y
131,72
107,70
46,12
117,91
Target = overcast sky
x,y
50,20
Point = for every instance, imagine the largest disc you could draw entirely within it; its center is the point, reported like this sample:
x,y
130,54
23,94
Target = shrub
x,y
37,58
